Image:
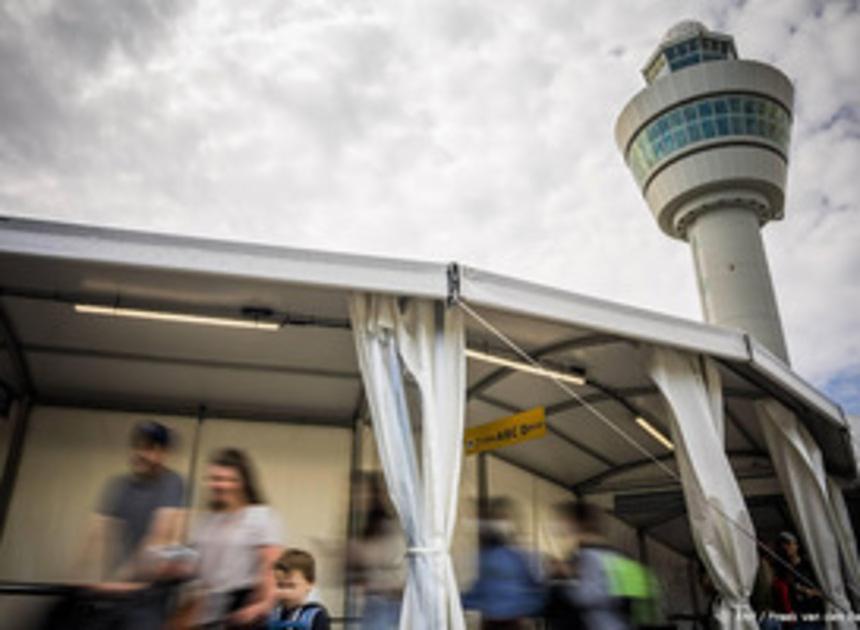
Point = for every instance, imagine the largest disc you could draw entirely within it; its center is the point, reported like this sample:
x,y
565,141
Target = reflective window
x,y
689,52
707,119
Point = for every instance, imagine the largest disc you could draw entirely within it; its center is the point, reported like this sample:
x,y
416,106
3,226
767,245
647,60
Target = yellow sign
x,y
521,427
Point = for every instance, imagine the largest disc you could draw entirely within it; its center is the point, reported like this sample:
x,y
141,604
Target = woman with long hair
x,y
238,540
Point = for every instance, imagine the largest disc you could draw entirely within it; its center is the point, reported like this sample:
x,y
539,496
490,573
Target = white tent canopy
x,y
307,370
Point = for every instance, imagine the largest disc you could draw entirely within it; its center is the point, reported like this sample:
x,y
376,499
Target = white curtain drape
x,y
847,541
799,466
719,520
427,340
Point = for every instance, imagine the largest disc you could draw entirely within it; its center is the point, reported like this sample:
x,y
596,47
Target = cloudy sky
x,y
469,130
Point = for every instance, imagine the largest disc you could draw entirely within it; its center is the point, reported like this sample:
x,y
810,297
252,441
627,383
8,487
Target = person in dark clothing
x,y
603,588
137,525
143,509
143,506
509,590
795,585
295,575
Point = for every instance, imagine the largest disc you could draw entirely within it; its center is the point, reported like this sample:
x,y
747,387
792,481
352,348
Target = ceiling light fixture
x,y
182,318
655,433
568,377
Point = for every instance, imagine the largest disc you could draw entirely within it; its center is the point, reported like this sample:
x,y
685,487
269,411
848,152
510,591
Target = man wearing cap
x,y
140,513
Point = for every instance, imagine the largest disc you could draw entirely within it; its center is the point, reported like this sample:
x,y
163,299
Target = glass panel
x,y
772,111
694,132
668,144
708,118
771,131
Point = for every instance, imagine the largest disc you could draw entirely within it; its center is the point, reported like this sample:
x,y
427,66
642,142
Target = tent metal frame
x,y
602,322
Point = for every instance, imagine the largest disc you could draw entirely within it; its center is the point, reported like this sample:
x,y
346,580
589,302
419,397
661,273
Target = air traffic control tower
x,y
707,142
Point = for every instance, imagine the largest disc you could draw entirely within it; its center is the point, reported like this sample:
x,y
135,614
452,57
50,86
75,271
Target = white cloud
x,y
478,131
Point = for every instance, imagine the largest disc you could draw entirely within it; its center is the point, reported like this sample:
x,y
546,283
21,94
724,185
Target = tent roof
x,y
307,370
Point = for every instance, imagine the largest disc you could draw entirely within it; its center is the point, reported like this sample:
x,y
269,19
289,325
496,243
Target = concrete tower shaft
x,y
707,142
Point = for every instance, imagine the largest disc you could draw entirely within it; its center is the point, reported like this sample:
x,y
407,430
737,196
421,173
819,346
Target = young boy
x,y
295,574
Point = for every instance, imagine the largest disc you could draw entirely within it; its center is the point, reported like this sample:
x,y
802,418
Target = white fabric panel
x,y
847,541
720,523
69,455
431,346
123,250
304,474
547,303
799,465
464,547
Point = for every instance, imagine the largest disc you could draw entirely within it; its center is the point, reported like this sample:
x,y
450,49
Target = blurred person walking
x,y
376,560
508,591
238,540
602,589
136,526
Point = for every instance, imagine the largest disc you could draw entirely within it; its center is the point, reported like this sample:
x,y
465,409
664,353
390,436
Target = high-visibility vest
x,y
636,584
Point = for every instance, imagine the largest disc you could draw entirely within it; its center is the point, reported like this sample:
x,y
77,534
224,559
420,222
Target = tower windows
x,y
706,120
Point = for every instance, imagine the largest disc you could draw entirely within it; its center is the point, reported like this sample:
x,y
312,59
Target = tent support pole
x,y
12,465
21,419
350,605
195,450
483,486
641,538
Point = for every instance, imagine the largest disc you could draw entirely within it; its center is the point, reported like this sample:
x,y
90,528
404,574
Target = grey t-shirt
x,y
133,501
229,547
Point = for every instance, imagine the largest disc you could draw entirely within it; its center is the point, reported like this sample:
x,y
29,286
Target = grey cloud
x,y
47,52
478,131
86,32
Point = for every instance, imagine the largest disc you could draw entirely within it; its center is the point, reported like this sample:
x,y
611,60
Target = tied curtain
x,y
719,520
799,466
426,340
847,542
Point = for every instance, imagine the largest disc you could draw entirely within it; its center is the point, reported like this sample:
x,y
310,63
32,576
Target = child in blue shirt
x,y
295,575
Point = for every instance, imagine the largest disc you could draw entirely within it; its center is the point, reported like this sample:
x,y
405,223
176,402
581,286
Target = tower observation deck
x,y
707,142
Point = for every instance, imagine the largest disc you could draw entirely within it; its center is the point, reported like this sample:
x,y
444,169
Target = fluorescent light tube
x,y
576,379
654,433
183,318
